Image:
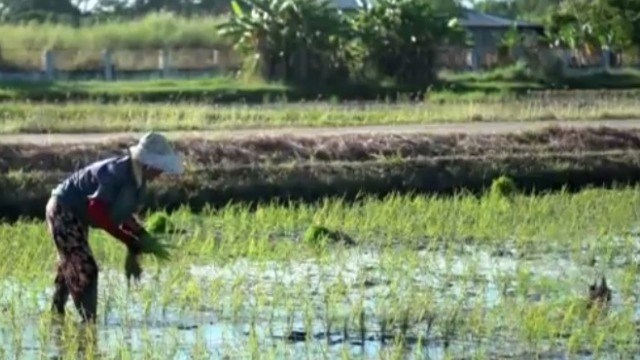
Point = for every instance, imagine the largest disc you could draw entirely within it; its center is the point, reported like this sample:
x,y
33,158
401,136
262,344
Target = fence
x,y
112,65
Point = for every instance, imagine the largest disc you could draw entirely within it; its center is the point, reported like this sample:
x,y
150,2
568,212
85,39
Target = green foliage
x,y
586,25
590,25
317,235
503,186
293,40
527,261
152,245
158,223
39,10
311,40
401,38
24,41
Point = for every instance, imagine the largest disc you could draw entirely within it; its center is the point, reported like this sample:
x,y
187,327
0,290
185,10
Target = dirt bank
x,y
25,194
202,153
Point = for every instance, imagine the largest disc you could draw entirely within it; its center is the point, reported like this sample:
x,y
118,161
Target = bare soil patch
x,y
282,149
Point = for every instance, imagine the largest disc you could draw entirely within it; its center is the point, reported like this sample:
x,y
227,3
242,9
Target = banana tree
x,y
291,39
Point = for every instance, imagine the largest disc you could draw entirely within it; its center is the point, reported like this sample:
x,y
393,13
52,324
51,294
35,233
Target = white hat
x,y
154,150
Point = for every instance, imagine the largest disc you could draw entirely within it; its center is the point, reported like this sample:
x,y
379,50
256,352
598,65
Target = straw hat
x,y
154,150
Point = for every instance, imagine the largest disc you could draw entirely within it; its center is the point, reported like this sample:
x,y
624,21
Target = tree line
x,y
573,23
308,40
577,24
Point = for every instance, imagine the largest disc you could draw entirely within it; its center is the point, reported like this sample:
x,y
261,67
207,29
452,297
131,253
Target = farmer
x,y
105,195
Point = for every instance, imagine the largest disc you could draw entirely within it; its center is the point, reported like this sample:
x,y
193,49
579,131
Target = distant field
x,y
77,117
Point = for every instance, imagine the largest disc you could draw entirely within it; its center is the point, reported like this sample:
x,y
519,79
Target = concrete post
x,y
606,59
217,63
164,62
474,59
108,65
49,64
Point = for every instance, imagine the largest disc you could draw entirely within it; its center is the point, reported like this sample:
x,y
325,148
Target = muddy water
x,y
218,324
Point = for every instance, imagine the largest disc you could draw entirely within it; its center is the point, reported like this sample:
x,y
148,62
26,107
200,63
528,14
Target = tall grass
x,y
150,32
135,42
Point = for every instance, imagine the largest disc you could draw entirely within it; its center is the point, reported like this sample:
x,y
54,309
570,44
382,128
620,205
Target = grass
x,y
78,117
502,84
427,276
224,89
221,88
152,31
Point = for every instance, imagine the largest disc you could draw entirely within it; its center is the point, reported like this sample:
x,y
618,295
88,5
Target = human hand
x,y
132,242
132,267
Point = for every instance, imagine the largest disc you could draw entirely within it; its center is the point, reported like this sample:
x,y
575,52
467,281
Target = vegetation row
x,y
26,193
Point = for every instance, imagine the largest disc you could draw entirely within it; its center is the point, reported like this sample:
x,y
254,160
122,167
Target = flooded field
x,y
427,278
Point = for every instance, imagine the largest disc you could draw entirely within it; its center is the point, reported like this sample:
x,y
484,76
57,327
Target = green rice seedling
x,y
237,299
531,296
503,186
253,342
158,222
320,236
308,321
155,246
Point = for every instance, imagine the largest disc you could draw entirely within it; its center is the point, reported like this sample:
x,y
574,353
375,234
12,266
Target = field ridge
x,y
439,128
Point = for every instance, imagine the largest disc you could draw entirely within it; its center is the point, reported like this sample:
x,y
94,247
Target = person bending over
x,y
105,194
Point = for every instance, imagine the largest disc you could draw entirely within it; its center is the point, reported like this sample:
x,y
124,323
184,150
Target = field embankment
x,y
83,117
301,168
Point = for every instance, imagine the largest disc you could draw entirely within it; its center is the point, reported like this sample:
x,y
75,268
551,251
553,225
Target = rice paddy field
x,y
410,277
78,117
498,274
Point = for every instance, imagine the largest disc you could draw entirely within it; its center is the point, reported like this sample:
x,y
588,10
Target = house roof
x,y
347,4
475,18
472,17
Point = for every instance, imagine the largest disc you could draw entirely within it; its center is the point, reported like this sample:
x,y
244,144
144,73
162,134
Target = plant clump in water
x,y
503,186
158,223
315,235
599,294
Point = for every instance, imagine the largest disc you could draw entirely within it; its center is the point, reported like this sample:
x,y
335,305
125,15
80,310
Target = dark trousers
x,y
77,270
